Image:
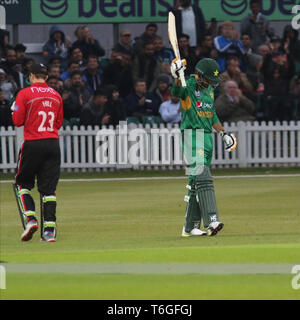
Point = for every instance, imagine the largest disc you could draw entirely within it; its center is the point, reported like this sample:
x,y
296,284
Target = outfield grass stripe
x,y
170,178
147,268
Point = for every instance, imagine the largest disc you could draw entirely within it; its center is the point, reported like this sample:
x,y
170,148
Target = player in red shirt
x,y
39,109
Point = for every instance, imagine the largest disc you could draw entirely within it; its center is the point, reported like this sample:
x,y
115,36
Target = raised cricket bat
x,y
174,43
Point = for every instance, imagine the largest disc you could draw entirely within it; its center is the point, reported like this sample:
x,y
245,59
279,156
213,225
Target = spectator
x,y
8,88
20,53
206,48
53,82
77,56
54,71
118,73
79,33
278,70
60,86
93,74
247,42
1,54
297,58
256,25
72,66
146,67
95,112
190,21
27,63
228,44
57,45
290,40
56,62
263,50
140,103
233,72
9,65
88,44
280,59
275,45
252,62
233,106
66,76
5,112
295,94
295,87
163,55
170,110
4,42
75,97
115,105
212,29
162,90
278,103
147,37
124,45
187,53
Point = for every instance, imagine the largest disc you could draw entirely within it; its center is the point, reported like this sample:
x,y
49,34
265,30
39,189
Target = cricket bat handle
x,y
182,78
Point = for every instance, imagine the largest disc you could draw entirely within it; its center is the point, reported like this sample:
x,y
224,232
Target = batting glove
x,y
229,140
177,66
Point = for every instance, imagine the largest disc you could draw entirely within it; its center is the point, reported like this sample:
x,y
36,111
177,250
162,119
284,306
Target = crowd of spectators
x,y
260,70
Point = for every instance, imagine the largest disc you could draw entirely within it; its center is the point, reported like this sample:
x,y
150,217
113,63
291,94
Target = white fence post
x,y
20,138
242,144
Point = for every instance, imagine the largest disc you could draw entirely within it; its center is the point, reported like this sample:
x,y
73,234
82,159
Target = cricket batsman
x,y
39,109
198,112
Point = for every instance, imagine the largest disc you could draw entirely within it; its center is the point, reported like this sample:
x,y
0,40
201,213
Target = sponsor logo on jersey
x,y
205,114
42,90
197,93
199,105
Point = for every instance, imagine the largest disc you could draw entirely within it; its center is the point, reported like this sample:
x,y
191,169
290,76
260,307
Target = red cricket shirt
x,y
40,109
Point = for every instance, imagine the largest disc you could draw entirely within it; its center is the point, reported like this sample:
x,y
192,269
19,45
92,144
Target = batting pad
x,y
193,213
206,197
26,202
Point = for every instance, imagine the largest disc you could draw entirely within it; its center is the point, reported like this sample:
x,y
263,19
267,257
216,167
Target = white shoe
x,y
31,228
194,233
214,228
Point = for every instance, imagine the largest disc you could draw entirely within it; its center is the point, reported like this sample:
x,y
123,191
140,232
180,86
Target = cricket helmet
x,y
208,72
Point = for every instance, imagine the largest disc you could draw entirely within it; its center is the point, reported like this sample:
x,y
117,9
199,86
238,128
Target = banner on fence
x,y
128,11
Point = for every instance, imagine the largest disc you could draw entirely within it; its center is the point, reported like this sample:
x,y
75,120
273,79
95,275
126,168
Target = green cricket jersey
x,y
198,112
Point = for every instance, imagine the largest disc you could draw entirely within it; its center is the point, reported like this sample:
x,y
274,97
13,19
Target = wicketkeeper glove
x,y
177,66
229,140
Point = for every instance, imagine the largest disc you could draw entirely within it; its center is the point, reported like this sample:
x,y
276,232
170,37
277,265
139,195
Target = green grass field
x,y
121,222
